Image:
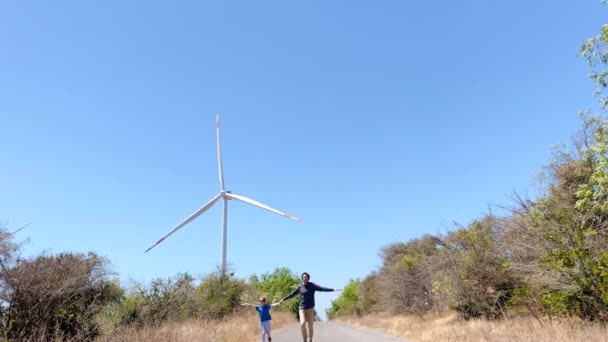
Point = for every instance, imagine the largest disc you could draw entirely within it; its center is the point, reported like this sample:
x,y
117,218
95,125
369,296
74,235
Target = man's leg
x,y
310,320
303,324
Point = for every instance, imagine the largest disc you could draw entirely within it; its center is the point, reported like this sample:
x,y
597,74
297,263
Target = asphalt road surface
x,y
332,332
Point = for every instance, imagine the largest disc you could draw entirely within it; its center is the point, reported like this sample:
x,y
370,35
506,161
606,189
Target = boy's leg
x,y
266,331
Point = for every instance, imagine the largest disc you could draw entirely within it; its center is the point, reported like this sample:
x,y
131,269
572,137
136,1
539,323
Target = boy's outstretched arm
x,y
246,304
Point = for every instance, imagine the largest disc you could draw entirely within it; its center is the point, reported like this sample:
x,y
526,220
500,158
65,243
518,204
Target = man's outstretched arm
x,y
325,289
290,295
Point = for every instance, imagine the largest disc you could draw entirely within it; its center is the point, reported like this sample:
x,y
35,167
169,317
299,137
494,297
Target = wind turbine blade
x,y
188,220
219,152
260,205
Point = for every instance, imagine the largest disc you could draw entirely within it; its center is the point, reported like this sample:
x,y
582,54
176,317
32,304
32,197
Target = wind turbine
x,y
225,196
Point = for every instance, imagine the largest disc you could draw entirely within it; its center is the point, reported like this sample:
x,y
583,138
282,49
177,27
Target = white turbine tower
x,y
226,196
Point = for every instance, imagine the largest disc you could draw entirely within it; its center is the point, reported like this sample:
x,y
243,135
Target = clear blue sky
x,y
375,123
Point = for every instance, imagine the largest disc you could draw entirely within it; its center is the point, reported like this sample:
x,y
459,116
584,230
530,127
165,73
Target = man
x,y
307,304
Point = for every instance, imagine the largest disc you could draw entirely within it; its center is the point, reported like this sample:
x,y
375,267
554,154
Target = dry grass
x,y
449,328
238,328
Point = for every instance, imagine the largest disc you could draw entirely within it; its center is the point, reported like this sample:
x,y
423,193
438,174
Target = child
x,y
264,310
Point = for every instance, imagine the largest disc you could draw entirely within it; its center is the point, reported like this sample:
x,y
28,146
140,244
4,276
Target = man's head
x,y
262,300
305,277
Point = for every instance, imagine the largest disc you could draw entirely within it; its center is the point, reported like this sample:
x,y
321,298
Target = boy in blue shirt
x,y
264,310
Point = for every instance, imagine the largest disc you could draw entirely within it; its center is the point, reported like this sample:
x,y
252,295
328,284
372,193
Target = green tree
x,y
55,297
348,302
475,274
277,284
569,225
220,294
404,283
368,294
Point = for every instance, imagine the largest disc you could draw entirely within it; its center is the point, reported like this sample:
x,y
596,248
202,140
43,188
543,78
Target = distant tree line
x,y
74,297
545,256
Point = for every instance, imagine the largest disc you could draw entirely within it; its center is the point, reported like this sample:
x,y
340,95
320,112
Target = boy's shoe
x,y
269,339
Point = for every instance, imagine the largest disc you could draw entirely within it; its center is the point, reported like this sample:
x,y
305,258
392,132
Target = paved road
x,y
332,332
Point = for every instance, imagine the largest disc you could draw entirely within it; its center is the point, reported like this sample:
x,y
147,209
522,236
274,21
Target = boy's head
x,y
262,300
305,277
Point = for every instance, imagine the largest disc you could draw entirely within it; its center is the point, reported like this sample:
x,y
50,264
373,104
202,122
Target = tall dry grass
x,y
237,328
448,328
